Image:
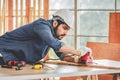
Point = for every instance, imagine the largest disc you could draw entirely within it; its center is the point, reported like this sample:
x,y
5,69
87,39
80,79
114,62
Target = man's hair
x,y
58,18
59,22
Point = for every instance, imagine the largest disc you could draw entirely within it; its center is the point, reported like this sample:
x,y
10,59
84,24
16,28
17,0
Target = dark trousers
x,y
1,61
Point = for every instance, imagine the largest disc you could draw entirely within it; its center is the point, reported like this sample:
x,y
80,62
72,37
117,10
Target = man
x,y
31,42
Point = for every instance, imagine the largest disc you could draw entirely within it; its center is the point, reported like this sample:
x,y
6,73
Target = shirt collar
x,y
52,29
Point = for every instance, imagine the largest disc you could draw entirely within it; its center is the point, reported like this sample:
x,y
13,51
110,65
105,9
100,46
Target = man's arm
x,y
68,58
67,50
84,53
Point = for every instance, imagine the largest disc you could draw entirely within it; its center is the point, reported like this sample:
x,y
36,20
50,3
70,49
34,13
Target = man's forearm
x,y
68,58
68,50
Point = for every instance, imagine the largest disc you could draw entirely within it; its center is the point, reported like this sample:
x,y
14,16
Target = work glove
x,y
15,63
85,54
84,50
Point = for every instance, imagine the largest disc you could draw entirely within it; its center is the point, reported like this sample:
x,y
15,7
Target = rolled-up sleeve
x,y
43,31
60,55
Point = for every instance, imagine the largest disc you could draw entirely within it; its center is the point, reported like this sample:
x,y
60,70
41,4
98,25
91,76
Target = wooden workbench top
x,y
58,71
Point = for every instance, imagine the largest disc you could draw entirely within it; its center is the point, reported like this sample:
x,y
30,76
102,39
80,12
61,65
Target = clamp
x,y
14,64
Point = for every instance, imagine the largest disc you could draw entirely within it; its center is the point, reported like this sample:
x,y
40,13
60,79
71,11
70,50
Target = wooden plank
x,y
39,8
10,15
46,9
27,70
16,13
21,11
102,50
0,19
31,15
105,50
114,28
3,14
34,10
28,10
59,71
72,78
104,63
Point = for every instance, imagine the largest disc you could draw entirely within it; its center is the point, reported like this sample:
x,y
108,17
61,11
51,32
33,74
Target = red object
x,y
12,63
9,63
85,59
15,63
23,63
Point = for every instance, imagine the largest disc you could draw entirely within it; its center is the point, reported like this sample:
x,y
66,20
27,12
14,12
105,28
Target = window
x,y
96,4
92,19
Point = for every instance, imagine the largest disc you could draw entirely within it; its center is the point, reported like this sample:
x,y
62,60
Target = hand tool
x,y
40,65
85,59
37,66
14,64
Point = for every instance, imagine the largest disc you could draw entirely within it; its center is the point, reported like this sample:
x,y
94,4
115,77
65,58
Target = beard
x,y
61,36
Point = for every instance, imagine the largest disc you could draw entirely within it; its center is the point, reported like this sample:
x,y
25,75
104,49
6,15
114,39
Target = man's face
x,y
62,31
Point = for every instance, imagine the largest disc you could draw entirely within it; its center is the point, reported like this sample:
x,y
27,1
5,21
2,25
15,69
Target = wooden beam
x,y
114,28
10,15
27,10
105,50
31,14
46,9
34,10
16,13
4,15
0,19
21,11
39,8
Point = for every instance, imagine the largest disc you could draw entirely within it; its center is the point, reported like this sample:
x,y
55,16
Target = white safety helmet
x,y
65,16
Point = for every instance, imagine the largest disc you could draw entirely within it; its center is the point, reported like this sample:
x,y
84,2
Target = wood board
x,y
63,67
103,63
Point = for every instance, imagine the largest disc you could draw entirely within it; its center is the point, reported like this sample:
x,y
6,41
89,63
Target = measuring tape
x,y
37,66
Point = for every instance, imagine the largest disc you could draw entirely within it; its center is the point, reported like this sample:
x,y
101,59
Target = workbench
x,y
58,71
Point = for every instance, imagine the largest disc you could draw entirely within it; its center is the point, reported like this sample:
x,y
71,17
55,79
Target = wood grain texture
x,y
105,50
102,50
103,63
10,15
46,9
114,27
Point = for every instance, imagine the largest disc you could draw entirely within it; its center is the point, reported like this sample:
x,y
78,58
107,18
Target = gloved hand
x,y
83,52
15,63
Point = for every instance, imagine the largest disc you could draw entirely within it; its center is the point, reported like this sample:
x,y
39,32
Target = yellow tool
x,y
37,66
41,65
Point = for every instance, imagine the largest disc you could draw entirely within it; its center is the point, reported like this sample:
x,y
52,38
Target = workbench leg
x,y
116,77
91,77
54,78
85,77
94,77
43,79
46,79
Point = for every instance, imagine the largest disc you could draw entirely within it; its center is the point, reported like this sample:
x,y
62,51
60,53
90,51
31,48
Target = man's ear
x,y
55,23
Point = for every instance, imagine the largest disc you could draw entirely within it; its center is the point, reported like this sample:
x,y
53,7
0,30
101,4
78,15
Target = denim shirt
x,y
30,42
